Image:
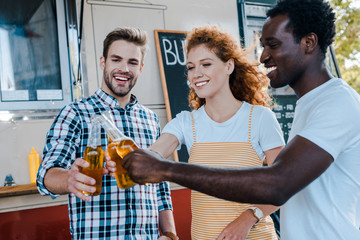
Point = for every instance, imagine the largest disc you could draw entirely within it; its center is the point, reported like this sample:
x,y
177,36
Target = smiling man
x,y
120,72
134,213
316,176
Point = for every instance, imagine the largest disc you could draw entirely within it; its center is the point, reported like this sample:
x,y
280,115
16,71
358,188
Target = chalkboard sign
x,y
284,110
172,61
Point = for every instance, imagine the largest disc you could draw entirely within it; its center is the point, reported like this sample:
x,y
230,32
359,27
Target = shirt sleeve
x,y
331,125
164,198
271,135
176,127
60,147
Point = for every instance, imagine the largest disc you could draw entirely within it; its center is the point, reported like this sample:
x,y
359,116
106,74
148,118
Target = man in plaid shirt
x,y
134,213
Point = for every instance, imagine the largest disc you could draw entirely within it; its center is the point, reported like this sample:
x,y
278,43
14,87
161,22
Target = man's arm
x,y
297,165
62,181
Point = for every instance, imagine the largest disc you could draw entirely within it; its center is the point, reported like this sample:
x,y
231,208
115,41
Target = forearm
x,y
165,145
166,221
228,183
300,162
56,180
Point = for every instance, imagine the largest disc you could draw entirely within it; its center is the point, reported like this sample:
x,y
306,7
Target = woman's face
x,y
207,73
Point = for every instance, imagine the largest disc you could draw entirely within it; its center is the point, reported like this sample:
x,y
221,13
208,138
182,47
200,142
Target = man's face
x,y
282,56
121,68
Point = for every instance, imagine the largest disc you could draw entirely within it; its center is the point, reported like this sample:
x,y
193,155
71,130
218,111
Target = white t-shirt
x,y
265,132
329,207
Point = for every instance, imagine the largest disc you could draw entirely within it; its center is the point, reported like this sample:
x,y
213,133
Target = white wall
x,y
181,15
16,140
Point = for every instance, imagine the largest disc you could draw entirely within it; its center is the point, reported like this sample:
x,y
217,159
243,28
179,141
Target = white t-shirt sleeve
x,y
330,125
270,132
176,127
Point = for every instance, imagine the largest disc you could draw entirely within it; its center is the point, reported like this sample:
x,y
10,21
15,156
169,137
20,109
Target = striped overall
x,y
210,215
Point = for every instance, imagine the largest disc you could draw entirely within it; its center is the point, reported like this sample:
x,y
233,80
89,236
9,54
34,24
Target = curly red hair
x,y
247,82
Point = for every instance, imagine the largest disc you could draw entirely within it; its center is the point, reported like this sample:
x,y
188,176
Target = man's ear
x,y
309,42
102,63
141,67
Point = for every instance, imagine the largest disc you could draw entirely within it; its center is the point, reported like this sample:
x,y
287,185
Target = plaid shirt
x,y
116,213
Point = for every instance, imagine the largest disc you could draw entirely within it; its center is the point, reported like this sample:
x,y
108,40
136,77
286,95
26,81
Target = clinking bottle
x,y
119,146
94,155
34,163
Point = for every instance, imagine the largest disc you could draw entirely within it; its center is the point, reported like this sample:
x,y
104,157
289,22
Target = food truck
x,y
49,57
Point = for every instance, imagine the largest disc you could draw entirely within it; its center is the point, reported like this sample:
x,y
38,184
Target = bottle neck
x,y
113,133
95,135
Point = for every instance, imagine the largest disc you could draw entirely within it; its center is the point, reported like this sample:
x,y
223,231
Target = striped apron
x,y
210,215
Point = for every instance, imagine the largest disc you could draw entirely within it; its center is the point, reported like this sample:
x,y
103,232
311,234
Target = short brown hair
x,y
247,82
133,35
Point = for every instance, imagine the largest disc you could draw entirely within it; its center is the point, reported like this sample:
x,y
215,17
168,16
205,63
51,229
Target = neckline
x,y
314,92
227,122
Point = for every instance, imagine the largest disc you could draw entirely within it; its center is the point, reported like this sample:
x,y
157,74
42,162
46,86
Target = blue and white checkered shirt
x,y
116,213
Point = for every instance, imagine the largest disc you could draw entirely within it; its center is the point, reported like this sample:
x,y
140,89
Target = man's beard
x,y
122,91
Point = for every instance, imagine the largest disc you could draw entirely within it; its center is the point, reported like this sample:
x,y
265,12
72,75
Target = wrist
x,y
156,152
161,166
171,235
257,213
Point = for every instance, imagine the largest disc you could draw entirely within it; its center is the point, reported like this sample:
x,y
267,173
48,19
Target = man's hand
x,y
145,166
78,182
62,181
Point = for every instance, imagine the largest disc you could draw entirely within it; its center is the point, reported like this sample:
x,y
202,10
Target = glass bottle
x,y
119,146
94,155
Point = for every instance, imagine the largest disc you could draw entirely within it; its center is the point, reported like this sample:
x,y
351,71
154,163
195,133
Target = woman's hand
x,y
239,228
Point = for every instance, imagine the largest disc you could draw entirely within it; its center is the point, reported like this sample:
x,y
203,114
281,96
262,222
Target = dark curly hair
x,y
247,82
308,16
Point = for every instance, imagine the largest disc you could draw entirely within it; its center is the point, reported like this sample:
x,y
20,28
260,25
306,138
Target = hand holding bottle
x,y
78,183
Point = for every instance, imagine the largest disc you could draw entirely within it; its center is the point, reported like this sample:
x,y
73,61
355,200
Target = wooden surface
x,y
17,190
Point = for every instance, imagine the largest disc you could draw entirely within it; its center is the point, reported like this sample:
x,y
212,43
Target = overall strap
x,y
250,116
193,126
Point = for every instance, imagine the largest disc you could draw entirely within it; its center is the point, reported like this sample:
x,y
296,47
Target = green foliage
x,y
352,76
347,41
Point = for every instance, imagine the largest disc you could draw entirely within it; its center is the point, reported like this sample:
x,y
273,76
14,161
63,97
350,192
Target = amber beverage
x,y
122,177
94,155
119,145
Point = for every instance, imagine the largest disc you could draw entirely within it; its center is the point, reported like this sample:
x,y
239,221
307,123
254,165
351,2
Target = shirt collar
x,y
109,100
